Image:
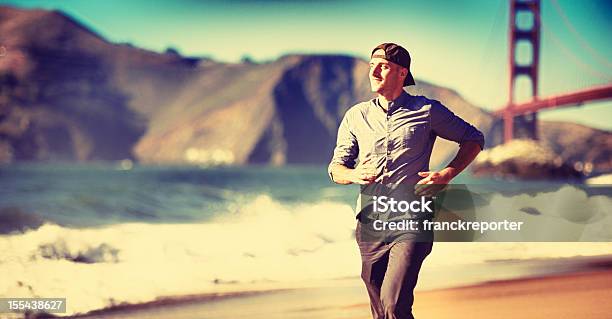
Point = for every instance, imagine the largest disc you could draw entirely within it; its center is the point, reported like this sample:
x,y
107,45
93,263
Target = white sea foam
x,y
605,179
262,245
265,245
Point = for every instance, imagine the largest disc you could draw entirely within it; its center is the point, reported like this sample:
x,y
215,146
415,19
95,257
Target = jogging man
x,y
388,140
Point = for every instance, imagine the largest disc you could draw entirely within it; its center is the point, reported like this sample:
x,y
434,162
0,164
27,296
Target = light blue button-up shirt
x,y
399,142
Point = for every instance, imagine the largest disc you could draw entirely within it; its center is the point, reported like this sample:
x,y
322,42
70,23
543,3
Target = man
x,y
388,140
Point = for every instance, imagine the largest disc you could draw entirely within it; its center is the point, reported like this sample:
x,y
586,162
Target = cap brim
x,y
409,79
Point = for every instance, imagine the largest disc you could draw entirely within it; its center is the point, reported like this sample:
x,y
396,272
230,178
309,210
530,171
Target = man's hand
x,y
364,173
433,182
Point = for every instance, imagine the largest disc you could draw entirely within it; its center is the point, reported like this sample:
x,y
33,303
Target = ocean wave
x,y
90,255
263,244
15,220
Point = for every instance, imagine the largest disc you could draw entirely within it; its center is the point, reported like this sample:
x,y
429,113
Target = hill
x,y
68,94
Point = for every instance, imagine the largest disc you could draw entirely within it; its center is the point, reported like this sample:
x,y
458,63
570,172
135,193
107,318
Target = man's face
x,y
386,76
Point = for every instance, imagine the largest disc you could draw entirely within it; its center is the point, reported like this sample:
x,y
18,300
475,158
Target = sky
x,y
458,44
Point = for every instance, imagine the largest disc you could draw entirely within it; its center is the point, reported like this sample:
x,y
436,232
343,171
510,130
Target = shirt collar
x,y
401,100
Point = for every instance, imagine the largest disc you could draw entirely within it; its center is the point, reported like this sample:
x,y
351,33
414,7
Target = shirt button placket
x,y
388,138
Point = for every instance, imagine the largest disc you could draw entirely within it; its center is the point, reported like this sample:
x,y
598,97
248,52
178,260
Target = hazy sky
x,y
458,44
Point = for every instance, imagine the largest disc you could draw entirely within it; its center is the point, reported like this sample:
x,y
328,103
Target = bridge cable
x,y
596,55
568,53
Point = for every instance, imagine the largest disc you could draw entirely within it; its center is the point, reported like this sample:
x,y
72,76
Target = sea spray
x,y
261,244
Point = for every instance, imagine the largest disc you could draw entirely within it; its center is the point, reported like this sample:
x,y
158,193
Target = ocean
x,y
102,235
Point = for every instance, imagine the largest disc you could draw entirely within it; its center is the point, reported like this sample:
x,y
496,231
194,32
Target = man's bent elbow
x,y
474,143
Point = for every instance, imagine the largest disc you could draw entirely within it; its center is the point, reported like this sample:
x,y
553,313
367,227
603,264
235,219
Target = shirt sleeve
x,y
451,127
347,149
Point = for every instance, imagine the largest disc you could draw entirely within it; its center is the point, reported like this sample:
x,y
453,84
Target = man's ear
x,y
403,73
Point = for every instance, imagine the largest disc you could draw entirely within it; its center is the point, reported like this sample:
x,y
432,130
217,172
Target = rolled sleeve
x,y
347,149
451,127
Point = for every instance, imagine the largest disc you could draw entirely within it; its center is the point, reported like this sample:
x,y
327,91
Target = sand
x,y
582,295
577,295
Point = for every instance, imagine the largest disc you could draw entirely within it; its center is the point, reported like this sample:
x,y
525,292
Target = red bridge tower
x,y
524,10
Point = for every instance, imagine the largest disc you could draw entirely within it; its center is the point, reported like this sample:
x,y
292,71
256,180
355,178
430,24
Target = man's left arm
x,y
451,127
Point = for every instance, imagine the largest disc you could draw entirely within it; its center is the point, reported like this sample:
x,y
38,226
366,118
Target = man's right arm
x,y
362,174
343,168
345,155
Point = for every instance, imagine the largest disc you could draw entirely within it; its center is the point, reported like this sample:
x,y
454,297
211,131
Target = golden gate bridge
x,y
526,112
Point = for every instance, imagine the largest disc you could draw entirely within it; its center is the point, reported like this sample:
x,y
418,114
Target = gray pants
x,y
390,272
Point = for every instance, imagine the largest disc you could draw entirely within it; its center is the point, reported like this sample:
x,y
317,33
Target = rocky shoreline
x,y
527,159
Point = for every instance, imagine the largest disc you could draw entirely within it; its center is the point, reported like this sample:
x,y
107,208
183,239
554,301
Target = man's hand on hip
x,y
433,182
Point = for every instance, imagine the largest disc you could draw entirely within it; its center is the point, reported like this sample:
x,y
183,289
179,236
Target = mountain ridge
x,y
68,94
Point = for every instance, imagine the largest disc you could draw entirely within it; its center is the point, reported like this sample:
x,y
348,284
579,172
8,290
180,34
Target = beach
x,y
164,242
584,294
579,295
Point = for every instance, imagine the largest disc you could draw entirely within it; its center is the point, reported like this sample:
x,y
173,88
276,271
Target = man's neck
x,y
385,98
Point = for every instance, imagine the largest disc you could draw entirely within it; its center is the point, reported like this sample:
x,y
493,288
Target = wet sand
x,y
576,295
580,295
